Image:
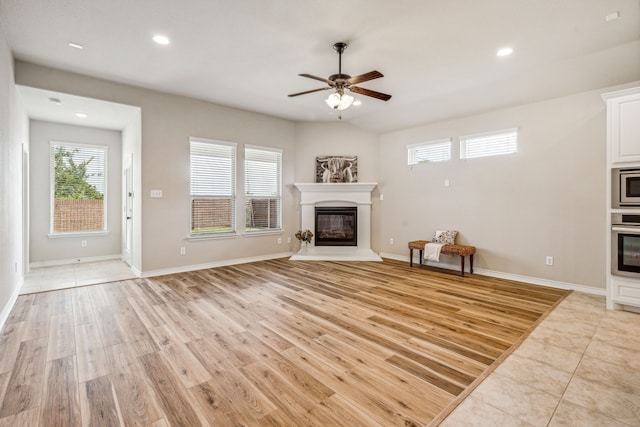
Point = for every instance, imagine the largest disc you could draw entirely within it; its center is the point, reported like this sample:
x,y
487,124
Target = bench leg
x,y
471,263
462,265
410,257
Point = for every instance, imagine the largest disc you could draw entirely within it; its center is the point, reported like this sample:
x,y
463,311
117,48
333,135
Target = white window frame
x,y
52,188
210,195
429,152
276,195
495,143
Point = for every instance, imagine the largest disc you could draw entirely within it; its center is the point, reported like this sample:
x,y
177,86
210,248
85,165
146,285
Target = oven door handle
x,y
626,229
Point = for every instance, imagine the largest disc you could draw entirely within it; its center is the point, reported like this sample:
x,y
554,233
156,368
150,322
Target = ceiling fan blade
x,y
371,93
365,77
309,91
309,76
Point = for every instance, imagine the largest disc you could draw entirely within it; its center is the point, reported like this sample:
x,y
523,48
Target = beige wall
x,y
43,248
14,133
548,199
167,123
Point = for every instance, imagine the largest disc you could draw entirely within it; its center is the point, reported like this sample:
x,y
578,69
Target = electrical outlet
x,y
83,243
549,260
288,239
183,250
279,240
391,241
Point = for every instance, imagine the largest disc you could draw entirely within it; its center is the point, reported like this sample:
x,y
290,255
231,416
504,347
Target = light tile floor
x,y
71,275
579,367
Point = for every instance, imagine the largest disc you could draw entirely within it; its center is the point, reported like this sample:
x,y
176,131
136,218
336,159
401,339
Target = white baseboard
x,y
12,301
55,262
509,276
215,264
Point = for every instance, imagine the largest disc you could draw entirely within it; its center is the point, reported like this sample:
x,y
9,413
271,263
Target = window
x,y
213,184
78,188
262,188
434,151
489,144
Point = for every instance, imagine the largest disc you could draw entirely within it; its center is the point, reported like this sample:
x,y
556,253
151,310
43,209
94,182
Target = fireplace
x,y
341,246
336,226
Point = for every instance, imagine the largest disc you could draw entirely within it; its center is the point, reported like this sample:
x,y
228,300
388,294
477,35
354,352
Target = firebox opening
x,y
336,226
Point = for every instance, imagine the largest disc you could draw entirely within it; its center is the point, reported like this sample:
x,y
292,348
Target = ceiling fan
x,y
339,100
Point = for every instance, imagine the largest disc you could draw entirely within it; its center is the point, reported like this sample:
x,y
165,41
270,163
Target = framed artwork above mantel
x,y
336,169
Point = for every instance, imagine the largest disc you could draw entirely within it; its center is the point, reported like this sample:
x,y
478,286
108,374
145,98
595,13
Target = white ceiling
x,y
438,56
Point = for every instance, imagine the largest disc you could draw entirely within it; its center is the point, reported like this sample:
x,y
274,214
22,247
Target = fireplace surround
x,y
355,195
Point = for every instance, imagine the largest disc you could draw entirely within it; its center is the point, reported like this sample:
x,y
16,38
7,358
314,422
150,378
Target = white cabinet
x,y
623,291
623,151
623,125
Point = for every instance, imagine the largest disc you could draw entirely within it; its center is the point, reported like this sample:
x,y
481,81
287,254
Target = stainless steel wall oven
x,y
625,245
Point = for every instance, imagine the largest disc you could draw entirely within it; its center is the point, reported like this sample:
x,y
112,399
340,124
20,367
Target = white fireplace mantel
x,y
337,194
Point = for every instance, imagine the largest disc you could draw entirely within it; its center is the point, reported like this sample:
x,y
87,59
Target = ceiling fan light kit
x,y
340,100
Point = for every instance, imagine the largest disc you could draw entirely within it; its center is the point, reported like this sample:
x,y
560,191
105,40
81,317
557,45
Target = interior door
x,y
25,209
128,210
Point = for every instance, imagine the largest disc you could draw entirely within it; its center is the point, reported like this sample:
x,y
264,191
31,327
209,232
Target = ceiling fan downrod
x,y
340,47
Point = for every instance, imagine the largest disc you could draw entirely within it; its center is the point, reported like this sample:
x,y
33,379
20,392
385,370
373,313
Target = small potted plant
x,y
305,238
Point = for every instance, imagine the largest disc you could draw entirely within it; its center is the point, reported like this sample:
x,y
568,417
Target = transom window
x,y
489,144
432,151
78,188
213,186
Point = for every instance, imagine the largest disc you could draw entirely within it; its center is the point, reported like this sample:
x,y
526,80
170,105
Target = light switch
x,y
156,194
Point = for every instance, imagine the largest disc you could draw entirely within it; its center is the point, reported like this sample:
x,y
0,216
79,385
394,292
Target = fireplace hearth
x,y
336,226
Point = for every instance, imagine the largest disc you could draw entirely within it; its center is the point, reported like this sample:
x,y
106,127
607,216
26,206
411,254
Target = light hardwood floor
x,y
269,343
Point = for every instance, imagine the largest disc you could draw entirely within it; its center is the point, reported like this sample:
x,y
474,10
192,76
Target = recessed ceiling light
x,y
505,51
55,101
612,16
160,39
75,45
81,115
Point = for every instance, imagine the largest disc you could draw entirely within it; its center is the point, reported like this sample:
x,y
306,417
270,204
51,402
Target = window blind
x,y
78,188
433,151
263,188
489,144
213,183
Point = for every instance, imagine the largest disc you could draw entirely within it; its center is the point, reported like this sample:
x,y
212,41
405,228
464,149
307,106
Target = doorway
x,y
80,260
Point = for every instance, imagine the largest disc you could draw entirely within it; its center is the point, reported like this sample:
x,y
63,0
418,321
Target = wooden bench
x,y
461,250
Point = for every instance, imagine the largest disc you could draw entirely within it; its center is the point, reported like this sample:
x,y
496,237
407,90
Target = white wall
x,y
42,247
548,199
167,123
14,135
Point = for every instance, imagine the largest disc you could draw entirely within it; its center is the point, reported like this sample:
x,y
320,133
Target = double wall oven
x,y
625,222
